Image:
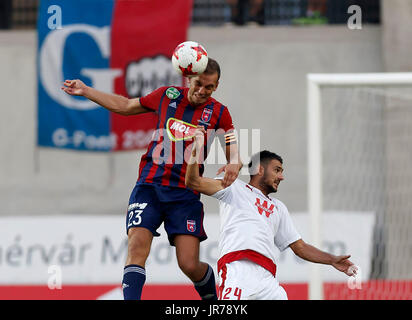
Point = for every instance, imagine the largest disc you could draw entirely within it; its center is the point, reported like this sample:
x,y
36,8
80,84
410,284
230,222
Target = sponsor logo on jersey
x,y
172,93
263,207
179,130
191,225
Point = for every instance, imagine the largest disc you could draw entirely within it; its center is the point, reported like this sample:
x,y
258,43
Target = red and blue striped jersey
x,y
164,163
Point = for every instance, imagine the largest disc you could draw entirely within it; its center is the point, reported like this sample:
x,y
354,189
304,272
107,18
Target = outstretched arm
x,y
313,254
111,102
193,180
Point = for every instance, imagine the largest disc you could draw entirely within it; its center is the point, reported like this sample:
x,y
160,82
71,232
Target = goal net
x,y
360,165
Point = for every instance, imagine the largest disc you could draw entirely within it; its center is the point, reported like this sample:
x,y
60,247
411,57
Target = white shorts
x,y
246,280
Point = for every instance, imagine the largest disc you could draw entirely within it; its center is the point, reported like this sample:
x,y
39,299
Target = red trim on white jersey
x,y
251,255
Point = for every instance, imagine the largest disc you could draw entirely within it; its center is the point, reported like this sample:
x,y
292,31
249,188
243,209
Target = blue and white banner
x,y
104,43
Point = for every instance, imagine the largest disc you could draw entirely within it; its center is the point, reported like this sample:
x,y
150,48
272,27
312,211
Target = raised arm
x,y
313,254
234,164
193,180
111,102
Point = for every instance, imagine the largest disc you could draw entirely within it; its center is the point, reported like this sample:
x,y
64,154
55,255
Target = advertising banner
x,y
115,46
61,257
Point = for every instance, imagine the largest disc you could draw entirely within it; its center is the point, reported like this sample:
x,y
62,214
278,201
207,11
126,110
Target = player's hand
x,y
231,171
74,87
343,264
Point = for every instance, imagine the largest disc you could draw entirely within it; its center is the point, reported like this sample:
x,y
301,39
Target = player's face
x,y
202,87
272,176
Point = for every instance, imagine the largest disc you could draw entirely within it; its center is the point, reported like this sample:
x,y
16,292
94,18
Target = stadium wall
x,y
263,83
263,73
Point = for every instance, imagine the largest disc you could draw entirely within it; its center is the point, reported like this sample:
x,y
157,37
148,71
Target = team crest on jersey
x,y
191,225
264,208
179,130
172,93
206,115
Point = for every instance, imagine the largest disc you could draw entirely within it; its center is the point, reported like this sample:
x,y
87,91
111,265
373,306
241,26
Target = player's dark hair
x,y
262,158
212,67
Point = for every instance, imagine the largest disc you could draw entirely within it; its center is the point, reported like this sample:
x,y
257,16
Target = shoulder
x,y
239,183
224,117
220,106
172,92
280,205
239,186
227,194
217,105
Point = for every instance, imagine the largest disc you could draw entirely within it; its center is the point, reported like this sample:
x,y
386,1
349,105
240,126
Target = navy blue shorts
x,y
179,209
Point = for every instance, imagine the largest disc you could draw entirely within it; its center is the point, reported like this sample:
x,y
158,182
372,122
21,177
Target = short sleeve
x,y
225,132
224,195
226,122
286,233
151,101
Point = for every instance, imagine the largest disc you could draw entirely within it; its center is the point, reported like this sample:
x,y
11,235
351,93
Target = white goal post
x,y
314,109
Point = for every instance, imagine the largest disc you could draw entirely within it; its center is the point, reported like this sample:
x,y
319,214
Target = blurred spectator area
x,y
22,14
282,12
18,14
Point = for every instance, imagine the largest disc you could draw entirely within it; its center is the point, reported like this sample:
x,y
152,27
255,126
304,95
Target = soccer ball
x,y
189,58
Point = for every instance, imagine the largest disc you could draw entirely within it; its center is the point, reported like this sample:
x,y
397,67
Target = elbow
x,y
123,111
191,184
298,247
130,108
127,111
188,183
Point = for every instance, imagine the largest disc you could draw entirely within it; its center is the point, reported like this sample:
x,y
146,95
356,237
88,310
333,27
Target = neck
x,y
256,183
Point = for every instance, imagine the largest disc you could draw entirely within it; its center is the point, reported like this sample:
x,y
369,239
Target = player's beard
x,y
267,184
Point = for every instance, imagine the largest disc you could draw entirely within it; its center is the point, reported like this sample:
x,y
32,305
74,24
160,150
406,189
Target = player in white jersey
x,y
252,225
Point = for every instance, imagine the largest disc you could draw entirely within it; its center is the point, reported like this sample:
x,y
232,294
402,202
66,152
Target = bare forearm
x,y
192,170
318,256
313,254
112,102
232,154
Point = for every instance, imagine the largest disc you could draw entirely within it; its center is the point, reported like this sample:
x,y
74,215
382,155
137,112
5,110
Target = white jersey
x,y
249,220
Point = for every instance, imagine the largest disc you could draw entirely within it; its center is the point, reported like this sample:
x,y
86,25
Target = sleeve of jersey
x,y
287,232
151,101
226,124
224,195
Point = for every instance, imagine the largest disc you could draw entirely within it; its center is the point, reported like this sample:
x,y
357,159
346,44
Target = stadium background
x,y
264,70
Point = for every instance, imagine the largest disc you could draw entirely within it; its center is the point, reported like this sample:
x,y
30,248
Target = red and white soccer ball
x,y
189,58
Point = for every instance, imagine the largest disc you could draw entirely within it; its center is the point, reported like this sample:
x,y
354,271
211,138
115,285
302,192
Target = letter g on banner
x,y
51,59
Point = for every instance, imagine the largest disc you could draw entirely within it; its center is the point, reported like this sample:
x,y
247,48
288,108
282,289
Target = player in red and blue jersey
x,y
160,194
